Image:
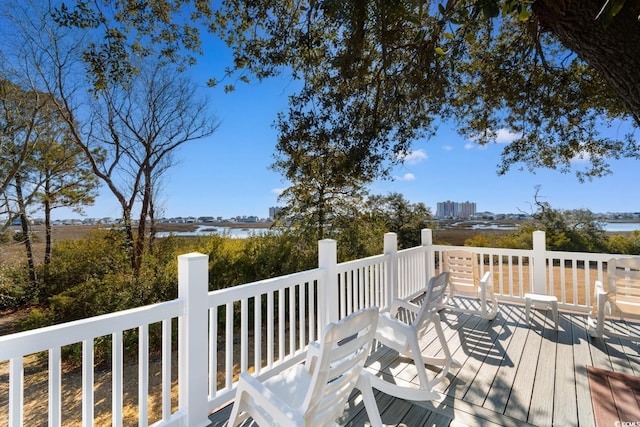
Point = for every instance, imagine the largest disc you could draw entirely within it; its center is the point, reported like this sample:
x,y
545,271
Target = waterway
x,y
607,226
243,233
208,230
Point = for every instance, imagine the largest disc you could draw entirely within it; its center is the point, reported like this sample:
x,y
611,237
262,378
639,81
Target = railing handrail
x,y
42,339
248,290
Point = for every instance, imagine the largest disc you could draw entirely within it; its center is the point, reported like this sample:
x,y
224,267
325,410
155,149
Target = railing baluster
x,y
244,333
117,376
16,390
166,369
143,375
270,329
349,291
292,319
257,333
55,387
87,382
281,322
313,291
575,281
229,346
213,351
302,312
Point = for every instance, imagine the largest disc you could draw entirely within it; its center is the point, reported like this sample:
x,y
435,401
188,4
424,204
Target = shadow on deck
x,y
512,374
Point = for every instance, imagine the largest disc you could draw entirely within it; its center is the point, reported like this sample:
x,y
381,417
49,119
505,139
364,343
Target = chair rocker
x,y
617,296
405,339
314,393
464,281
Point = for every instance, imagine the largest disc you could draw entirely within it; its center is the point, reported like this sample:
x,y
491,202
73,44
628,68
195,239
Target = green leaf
x,y
616,6
448,35
439,51
490,10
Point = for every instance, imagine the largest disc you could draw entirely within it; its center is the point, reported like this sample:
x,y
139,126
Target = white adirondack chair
x,y
405,339
314,393
618,295
465,281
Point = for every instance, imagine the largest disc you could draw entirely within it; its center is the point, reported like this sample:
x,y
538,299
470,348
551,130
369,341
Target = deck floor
x,y
512,374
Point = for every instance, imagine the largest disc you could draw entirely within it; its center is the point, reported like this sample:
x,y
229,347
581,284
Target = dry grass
x,y
36,393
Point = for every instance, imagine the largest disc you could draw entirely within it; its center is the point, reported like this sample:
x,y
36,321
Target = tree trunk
x,y
47,226
128,229
614,50
142,225
47,232
26,236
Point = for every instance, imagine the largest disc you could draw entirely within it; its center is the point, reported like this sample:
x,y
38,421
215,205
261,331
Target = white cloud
x,y
469,146
406,177
447,147
414,157
505,136
277,191
581,157
501,136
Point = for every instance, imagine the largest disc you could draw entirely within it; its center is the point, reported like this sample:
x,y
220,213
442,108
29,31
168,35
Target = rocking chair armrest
x,y
600,295
387,321
400,303
261,394
599,289
313,354
487,280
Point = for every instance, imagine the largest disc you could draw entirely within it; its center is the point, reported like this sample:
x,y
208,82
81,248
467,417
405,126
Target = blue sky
x,y
228,173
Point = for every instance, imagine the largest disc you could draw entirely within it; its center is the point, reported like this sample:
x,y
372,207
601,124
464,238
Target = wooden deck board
x,y
541,406
513,374
582,359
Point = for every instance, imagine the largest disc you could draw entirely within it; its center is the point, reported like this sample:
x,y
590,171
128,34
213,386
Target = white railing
x,y
263,327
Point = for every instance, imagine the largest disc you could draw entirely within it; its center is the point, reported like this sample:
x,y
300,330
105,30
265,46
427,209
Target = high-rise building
x,y
451,209
273,211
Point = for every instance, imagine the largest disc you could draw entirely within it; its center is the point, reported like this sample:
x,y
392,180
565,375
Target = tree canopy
x,y
552,72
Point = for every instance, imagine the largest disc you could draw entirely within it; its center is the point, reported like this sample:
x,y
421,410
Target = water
x,y
243,233
207,230
620,226
607,226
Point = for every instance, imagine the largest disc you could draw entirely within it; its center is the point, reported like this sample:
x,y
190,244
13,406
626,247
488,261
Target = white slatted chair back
x,y
465,281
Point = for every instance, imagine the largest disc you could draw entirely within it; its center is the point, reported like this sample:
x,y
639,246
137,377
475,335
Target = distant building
x,y
451,209
273,211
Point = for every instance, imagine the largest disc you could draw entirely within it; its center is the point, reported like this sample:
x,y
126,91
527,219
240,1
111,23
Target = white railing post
x,y
539,263
328,292
193,285
426,236
391,249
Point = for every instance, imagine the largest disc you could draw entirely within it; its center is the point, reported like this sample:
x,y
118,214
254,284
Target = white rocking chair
x,y
618,296
316,392
405,339
464,281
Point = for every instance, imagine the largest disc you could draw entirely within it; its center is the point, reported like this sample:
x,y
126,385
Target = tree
x,y
137,131
565,230
325,182
399,66
67,180
127,124
400,216
21,123
42,168
550,71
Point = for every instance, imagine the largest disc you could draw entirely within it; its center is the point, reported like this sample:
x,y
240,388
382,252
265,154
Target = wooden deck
x,y
512,374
